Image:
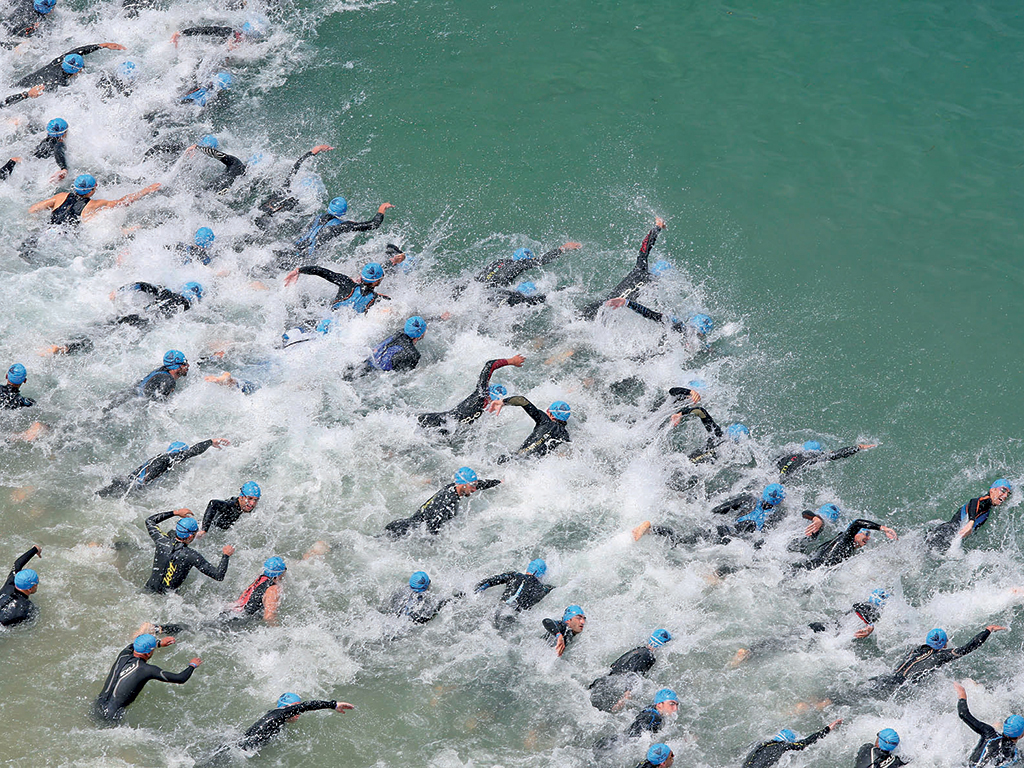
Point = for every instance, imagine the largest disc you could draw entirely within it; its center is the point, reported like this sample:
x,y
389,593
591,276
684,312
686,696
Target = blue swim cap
x,y
702,323
888,739
419,581
84,184
785,735
537,567
209,140
221,81
274,566
660,267
145,644
527,288
1013,727
372,272
773,494
44,6
521,254
812,445
829,512
72,63
57,127
415,327
697,384
560,410
17,374
497,392
249,488
288,698
25,579
737,432
665,694
659,637
937,638
338,206
173,359
325,324
186,527
465,475
256,26
573,610
177,447
204,237
658,754
127,71
1002,483
878,598
192,291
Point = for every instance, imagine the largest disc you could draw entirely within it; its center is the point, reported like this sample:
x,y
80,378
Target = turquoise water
x,y
842,191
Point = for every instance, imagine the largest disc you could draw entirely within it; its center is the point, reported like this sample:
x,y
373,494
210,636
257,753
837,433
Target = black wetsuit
x,y
556,627
358,296
976,510
271,724
25,20
648,720
69,211
710,426
152,469
158,384
281,201
507,271
326,226
548,433
515,298
470,409
125,681
436,511
14,98
994,749
625,673
233,167
53,75
164,302
870,756
396,353
222,513
8,167
791,462
15,606
637,277
174,558
841,548
225,33
11,398
866,614
522,590
52,146
755,516
768,753
112,85
249,607
418,607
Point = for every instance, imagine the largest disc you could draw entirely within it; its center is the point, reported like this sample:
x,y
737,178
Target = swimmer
x,y
398,352
15,606
10,392
692,397
524,293
225,513
658,756
637,277
504,272
549,431
177,453
694,329
768,753
233,167
27,17
610,693
202,96
443,505
158,384
327,226
358,295
130,673
120,82
845,545
995,748
281,201
252,30
174,558
651,719
415,602
880,754
473,406
812,453
30,93
970,517
289,707
80,205
199,250
522,590
53,146
560,634
62,70
262,598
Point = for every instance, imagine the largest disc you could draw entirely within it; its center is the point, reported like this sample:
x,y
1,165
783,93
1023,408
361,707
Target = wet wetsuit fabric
x,y
15,606
233,167
174,559
125,681
841,548
994,749
790,463
395,353
52,75
556,627
221,32
515,298
52,146
637,277
271,724
976,510
522,590
870,756
436,511
350,293
507,271
625,673
768,753
547,434
166,302
153,469
222,513
325,227
24,21
647,720
157,385
280,201
677,325
470,409
7,167
418,607
13,99
69,211
250,602
11,398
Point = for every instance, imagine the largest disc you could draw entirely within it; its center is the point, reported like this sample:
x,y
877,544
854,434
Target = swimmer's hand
x,y
165,641
675,419
889,533
195,662
220,442
961,693
517,360
35,91
58,176
291,278
175,37
183,512
866,446
617,303
571,246
560,645
995,628
860,634
228,550
813,527
659,222
113,46
320,148
342,706
496,406
835,724
383,207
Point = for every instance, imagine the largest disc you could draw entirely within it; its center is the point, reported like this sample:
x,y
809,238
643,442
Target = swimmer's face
x,y
576,623
667,708
248,503
862,538
671,759
998,495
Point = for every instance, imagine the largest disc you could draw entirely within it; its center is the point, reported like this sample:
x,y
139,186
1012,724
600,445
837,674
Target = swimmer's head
x,y
465,476
1000,491
537,567
222,81
274,567
127,72
249,488
701,323
26,580
878,598
659,754
145,644
17,375
415,327
337,207
737,432
497,392
659,637
372,272
773,494
522,254
174,359
204,237
571,612
85,184
72,63
288,698
419,582
560,410
57,127
186,528
177,447
812,445
829,512
888,739
209,140
193,291
785,735
255,27
44,6
661,267
937,639
1013,727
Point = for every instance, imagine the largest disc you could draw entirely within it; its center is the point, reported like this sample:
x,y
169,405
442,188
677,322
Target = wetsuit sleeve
x,y
680,392
171,677
485,375
14,99
805,743
361,226
532,411
60,157
483,485
210,514
340,280
5,171
295,168
550,256
82,50
643,311
743,501
20,564
196,450
153,521
149,288
976,642
232,165
551,627
842,453
306,706
224,32
982,729
645,248
204,566
493,581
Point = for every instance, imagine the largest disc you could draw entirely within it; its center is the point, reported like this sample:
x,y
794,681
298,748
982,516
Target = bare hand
x,y
961,693
446,315
659,222
835,724
675,419
58,176
384,206
814,526
39,551
889,532
113,46
517,360
341,706
200,534
694,396
195,662
164,642
995,628
220,442
618,302
16,159
397,259
174,38
183,512
36,90
560,645
496,406
860,634
866,446
320,148
292,277
571,246
150,188
228,550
